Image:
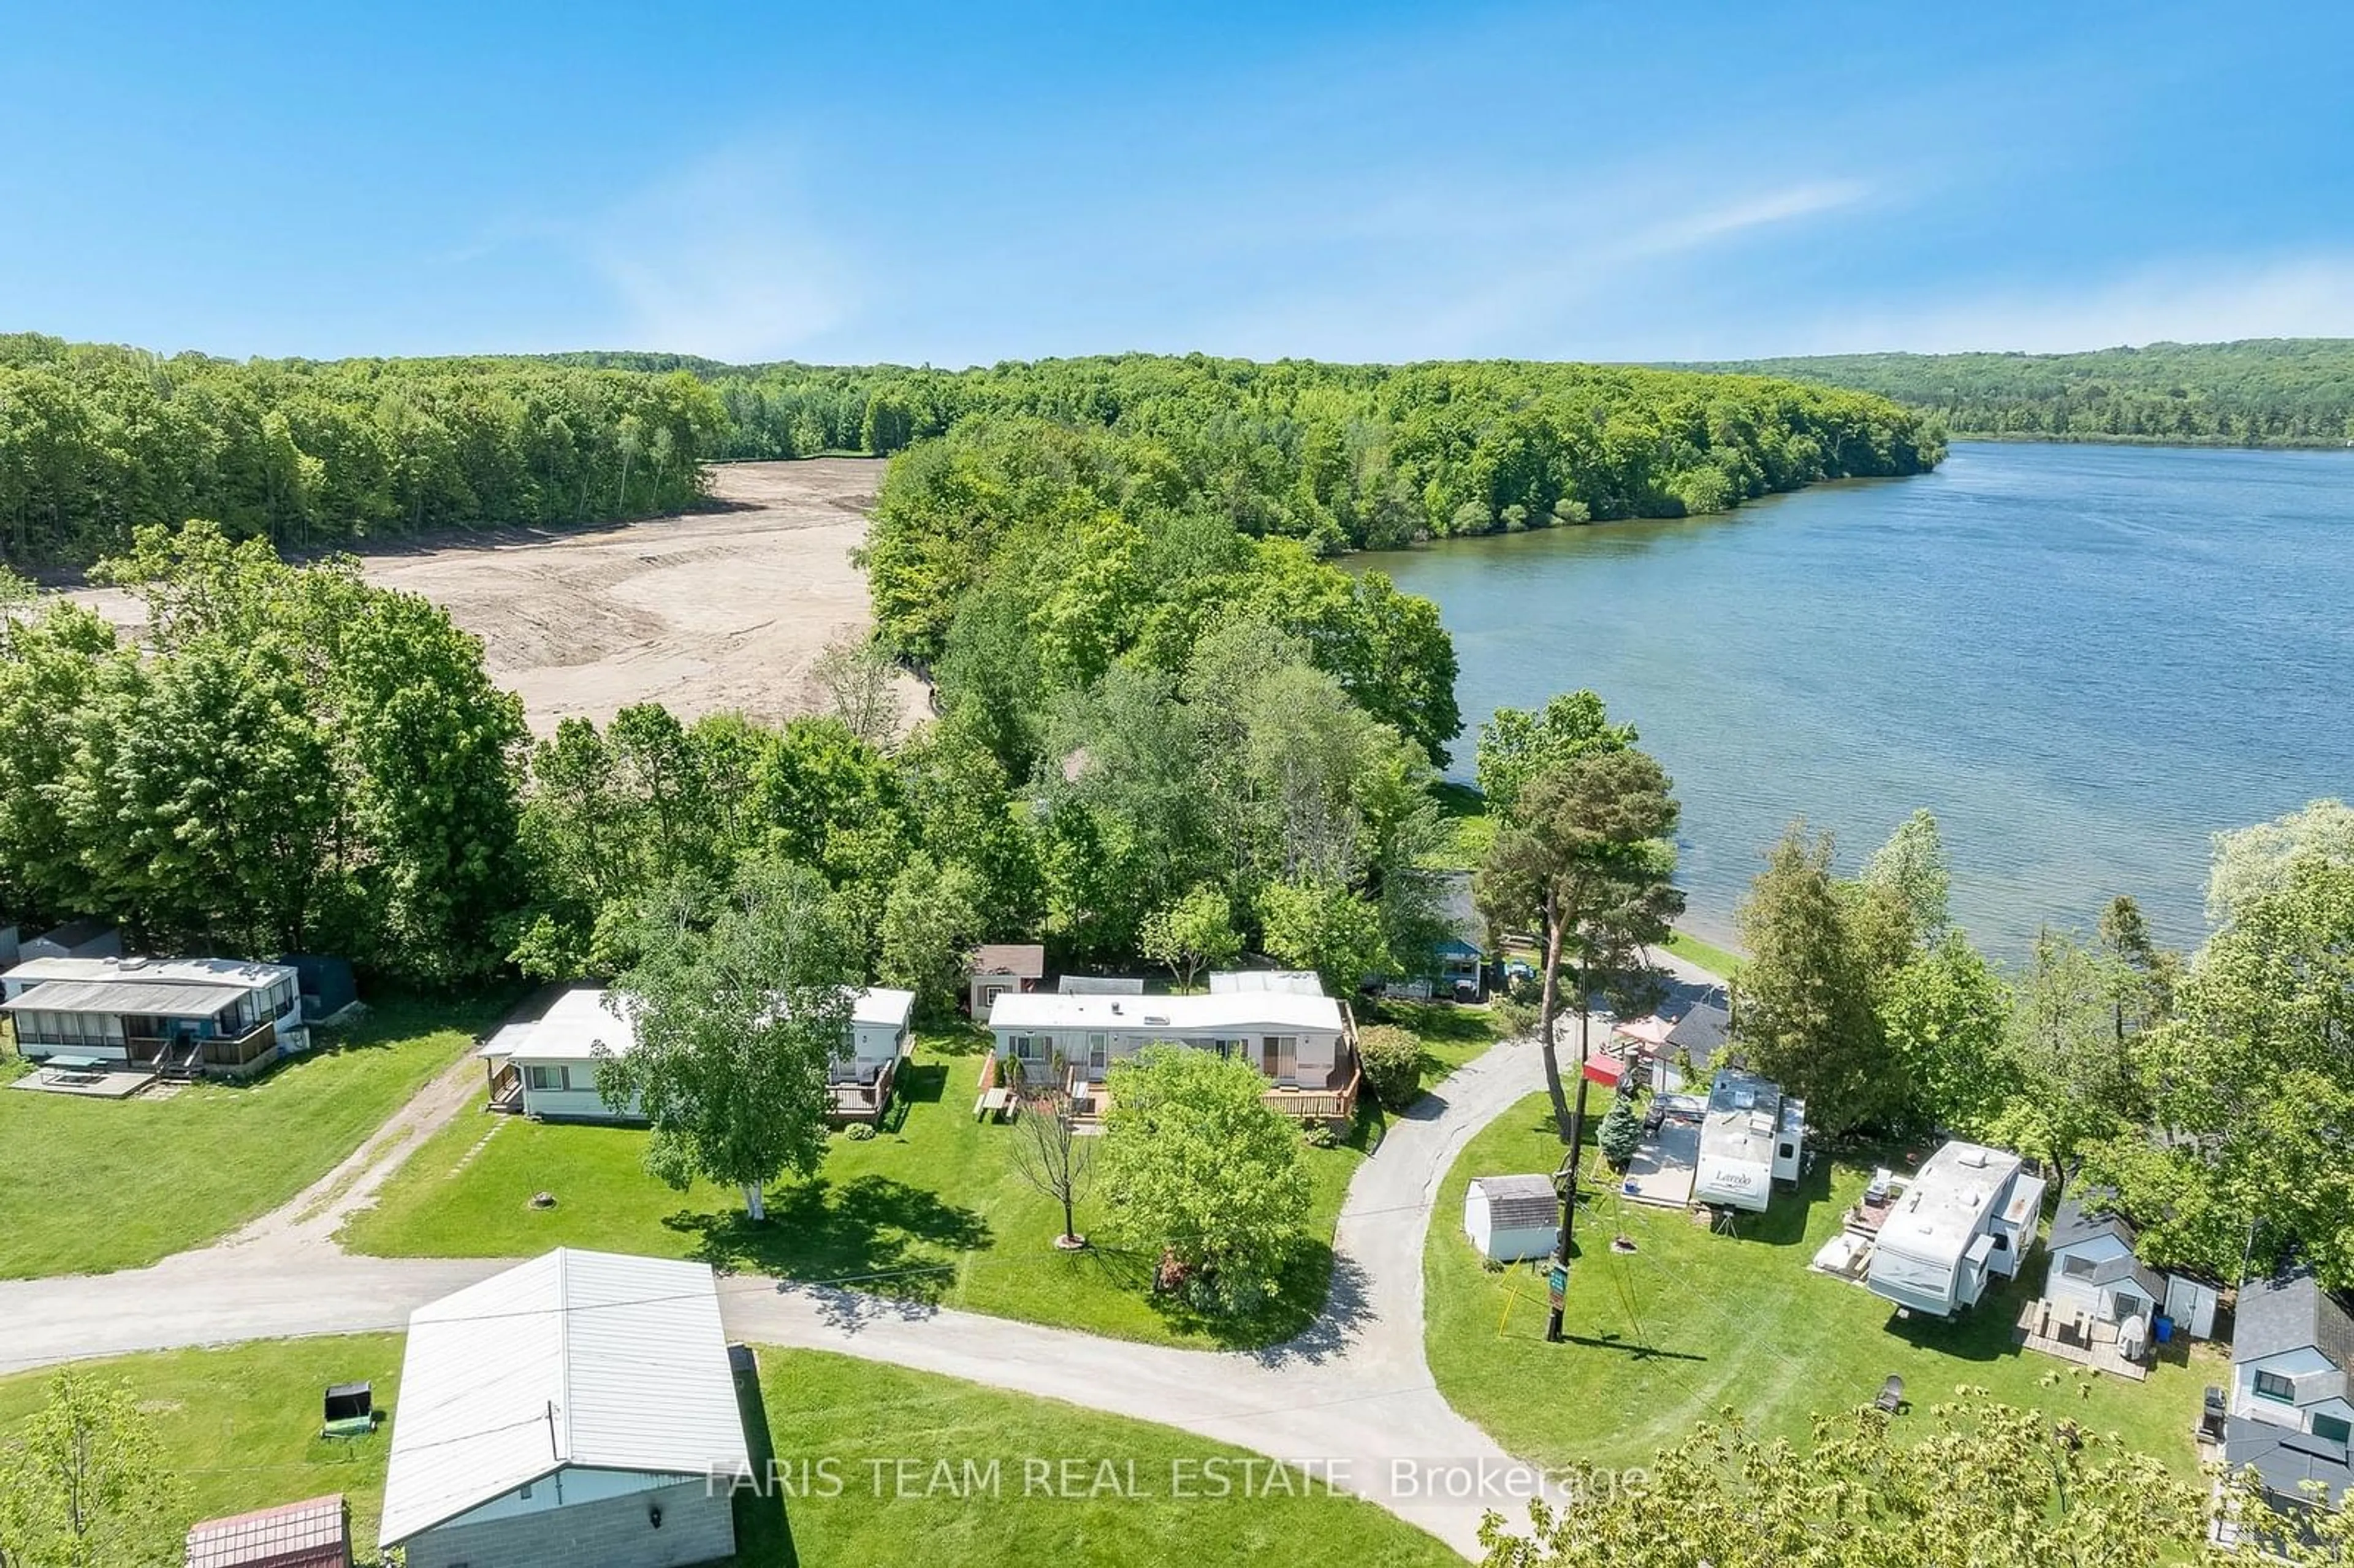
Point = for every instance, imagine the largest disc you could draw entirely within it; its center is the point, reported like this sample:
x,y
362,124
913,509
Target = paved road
x,y
1351,1400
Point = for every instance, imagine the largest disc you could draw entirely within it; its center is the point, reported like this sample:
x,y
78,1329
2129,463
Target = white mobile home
x,y
1749,1139
1969,1214
1509,1218
577,1411
549,1068
2096,1278
180,1017
1300,1038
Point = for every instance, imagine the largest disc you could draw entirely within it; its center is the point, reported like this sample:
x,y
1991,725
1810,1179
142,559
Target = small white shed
x,y
1509,1218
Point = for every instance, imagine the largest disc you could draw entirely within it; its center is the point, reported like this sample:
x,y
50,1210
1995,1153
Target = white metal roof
x,y
578,1359
128,997
1949,1201
1215,1014
242,973
580,1020
1298,983
571,1029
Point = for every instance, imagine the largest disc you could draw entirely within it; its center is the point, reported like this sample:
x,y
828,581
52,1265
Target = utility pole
x,y
1565,1183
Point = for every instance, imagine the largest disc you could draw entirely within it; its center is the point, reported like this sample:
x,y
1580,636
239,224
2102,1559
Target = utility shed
x,y
316,1533
575,1411
1509,1218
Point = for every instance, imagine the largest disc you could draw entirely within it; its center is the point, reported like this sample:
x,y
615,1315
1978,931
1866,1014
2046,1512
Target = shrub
x,y
1320,1135
1621,1133
1393,1062
859,1131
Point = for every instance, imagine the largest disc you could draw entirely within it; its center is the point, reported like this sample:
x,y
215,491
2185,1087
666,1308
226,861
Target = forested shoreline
x,y
2283,392
97,440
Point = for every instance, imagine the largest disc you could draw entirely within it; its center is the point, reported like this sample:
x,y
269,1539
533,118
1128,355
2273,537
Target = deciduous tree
x,y
84,1482
1194,933
1195,1165
740,1005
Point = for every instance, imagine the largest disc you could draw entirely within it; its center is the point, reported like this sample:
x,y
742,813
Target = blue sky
x,y
963,184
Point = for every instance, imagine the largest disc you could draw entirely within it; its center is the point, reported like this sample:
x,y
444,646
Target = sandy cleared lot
x,y
705,612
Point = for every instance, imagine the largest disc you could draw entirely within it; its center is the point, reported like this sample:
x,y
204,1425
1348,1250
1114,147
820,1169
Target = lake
x,y
2084,659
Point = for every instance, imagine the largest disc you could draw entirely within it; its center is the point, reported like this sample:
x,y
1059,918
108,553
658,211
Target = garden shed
x,y
1509,1218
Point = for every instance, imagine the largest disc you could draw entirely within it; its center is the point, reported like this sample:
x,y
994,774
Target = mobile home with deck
x,y
1302,1040
178,1017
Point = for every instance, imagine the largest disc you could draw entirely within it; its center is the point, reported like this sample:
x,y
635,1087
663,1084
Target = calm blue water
x,y
2085,660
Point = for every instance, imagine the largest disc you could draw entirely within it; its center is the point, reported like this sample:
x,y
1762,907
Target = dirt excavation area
x,y
725,609
720,609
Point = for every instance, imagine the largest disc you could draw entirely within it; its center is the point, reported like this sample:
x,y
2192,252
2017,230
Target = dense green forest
x,y
2261,392
95,440
1349,455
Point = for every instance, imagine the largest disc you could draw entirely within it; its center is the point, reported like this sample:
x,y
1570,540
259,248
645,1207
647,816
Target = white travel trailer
x,y
1750,1138
1970,1213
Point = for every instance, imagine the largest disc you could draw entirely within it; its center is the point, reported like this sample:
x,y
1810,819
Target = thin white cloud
x,y
2190,301
721,259
1706,225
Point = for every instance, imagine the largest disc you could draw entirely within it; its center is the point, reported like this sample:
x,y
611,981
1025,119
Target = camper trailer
x,y
1749,1139
1968,1215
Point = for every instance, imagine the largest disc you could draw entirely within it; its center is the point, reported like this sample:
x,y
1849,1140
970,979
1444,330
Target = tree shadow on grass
x,y
1985,1333
881,1236
1294,1313
922,1083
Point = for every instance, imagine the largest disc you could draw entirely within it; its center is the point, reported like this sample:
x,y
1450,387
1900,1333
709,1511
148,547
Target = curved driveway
x,y
1351,1400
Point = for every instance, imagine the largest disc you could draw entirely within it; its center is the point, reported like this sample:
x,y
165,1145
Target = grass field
x,y
88,1186
1696,1322
1722,963
239,1426
932,1210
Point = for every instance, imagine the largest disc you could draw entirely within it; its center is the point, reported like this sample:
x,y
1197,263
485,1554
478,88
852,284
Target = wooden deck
x,y
1333,1100
853,1102
2088,1343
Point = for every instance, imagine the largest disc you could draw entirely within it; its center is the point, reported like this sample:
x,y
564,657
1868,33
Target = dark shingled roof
x,y
1515,1202
2290,1311
1700,1033
2080,1218
2286,1458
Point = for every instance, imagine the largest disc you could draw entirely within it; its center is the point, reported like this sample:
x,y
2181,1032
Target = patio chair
x,y
1892,1395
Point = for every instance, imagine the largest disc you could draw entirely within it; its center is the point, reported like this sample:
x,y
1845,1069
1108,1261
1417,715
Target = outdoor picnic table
x,y
73,1069
994,1104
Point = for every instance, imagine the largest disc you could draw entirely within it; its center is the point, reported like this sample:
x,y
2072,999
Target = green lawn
x,y
1696,1322
931,1210
239,1425
242,1424
1722,963
88,1186
1451,1034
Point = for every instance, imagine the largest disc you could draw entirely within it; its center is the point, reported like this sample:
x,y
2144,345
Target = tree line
x,y
2259,392
97,441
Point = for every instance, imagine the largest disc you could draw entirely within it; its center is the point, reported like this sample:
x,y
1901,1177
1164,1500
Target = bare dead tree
x,y
1051,1155
857,677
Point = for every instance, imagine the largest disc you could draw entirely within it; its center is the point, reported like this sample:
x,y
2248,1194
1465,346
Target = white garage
x,y
1509,1218
577,1411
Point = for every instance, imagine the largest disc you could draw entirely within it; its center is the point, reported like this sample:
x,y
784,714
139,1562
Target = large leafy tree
x,y
2253,1083
84,1482
1945,1015
931,921
1912,867
1196,931
740,1002
1805,1012
1585,859
1516,743
1962,1484
1195,1165
2070,1079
